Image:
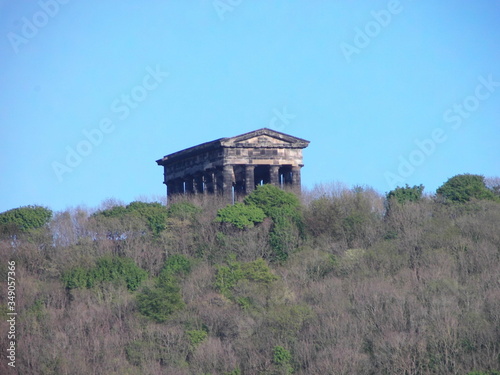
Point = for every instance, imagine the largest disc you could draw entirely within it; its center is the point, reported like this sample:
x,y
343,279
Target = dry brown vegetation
x,y
363,291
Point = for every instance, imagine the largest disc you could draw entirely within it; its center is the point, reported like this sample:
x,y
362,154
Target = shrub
x,y
274,201
282,358
107,269
183,210
228,276
241,215
464,187
284,209
177,265
154,214
25,218
196,337
160,302
406,194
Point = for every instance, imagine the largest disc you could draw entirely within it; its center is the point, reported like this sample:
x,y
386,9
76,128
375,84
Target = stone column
x,y
170,188
213,176
227,179
180,186
195,185
274,175
296,180
249,178
204,183
189,185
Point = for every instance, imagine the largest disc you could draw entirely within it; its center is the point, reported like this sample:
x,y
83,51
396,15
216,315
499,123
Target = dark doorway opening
x,y
262,175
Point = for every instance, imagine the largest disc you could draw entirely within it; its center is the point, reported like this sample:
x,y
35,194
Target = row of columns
x,y
206,182
217,181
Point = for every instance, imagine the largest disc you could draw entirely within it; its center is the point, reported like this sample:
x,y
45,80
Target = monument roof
x,y
263,138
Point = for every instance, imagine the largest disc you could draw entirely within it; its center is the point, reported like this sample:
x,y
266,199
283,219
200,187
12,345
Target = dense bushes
x,y
241,215
23,219
464,187
160,301
337,282
154,214
285,211
107,269
228,276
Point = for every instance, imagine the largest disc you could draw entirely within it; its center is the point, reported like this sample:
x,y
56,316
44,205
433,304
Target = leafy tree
x,y
285,211
107,269
196,337
77,278
464,187
228,276
159,302
177,265
154,214
274,201
241,215
24,218
406,194
183,210
282,359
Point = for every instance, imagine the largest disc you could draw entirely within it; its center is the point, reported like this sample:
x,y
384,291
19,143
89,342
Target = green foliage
x,y
281,355
78,277
177,265
464,187
154,214
196,337
228,276
406,194
115,211
282,237
159,302
258,271
107,269
352,225
274,201
282,359
426,301
25,218
284,209
241,215
183,210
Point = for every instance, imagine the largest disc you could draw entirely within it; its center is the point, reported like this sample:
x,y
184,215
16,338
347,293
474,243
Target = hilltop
x,y
331,281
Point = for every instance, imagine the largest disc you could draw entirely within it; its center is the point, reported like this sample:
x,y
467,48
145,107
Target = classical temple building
x,y
235,165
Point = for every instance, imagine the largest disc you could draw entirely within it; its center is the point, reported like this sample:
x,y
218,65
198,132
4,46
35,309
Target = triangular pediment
x,y
266,137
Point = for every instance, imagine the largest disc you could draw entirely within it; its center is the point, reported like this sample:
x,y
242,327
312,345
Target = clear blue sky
x,y
362,80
